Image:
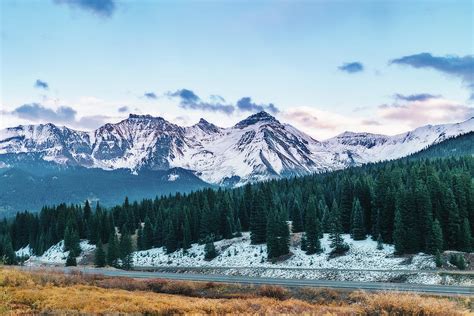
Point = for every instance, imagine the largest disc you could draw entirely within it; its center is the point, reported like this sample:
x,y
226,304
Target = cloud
x,y
461,67
371,123
246,104
352,67
185,95
312,119
37,112
41,84
123,109
190,100
150,95
416,97
102,8
430,111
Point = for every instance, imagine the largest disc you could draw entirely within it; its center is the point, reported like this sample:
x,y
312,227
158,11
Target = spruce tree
x,y
126,250
357,227
399,233
170,237
209,250
297,218
113,252
148,234
312,229
335,230
71,260
258,220
465,236
99,256
435,239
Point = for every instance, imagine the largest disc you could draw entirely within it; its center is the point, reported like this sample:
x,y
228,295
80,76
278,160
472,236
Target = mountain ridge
x,y
257,148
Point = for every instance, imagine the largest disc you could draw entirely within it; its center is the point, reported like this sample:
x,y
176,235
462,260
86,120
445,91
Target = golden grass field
x,y
56,293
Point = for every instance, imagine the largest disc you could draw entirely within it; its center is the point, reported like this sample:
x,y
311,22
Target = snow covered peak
x,y
257,148
205,126
261,116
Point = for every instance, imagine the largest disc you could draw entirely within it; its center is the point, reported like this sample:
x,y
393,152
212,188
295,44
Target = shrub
x,y
273,291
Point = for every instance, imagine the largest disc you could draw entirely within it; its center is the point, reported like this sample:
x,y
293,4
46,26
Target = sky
x,y
323,66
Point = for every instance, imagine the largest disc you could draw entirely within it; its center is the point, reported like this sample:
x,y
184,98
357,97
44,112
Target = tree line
x,y
423,205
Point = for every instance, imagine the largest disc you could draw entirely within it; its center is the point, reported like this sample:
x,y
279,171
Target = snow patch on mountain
x,y
256,148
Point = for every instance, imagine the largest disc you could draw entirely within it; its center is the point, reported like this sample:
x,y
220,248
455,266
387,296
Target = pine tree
x,y
435,239
335,230
438,259
258,220
147,234
209,250
399,233
72,241
312,231
99,255
297,218
113,252
357,227
170,237
71,260
379,242
465,237
126,250
186,234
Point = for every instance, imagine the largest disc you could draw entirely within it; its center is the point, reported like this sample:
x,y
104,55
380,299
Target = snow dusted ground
x,y
238,257
363,262
55,254
238,252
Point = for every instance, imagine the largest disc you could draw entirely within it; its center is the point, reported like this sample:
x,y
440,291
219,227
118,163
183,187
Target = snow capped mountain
x,y
256,148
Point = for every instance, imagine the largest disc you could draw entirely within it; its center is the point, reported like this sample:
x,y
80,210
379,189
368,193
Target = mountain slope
x,y
256,148
24,190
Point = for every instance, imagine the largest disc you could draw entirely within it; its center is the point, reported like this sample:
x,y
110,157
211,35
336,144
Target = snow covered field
x,y
55,254
238,252
363,262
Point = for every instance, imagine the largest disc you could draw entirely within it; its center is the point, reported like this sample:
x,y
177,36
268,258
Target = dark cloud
x,y
150,95
190,100
41,84
123,109
185,95
461,67
416,97
37,112
352,67
64,115
103,8
246,104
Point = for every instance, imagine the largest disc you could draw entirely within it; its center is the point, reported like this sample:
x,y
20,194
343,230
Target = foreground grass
x,y
41,292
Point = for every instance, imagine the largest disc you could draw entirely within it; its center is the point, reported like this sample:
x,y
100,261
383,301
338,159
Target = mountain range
x,y
145,156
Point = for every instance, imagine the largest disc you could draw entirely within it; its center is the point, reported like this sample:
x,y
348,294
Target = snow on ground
x,y
238,252
24,252
56,255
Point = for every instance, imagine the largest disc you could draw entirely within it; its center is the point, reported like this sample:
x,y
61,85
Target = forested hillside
x,y
462,145
423,205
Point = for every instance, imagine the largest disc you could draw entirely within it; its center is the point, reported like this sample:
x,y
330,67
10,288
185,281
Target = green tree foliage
x,y
71,260
418,205
99,256
210,250
126,249
357,226
312,229
113,251
278,235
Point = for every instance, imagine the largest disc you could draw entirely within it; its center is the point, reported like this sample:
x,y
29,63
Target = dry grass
x,y
40,292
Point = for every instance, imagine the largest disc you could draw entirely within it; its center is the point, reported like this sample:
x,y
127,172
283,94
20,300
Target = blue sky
x,y
323,66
